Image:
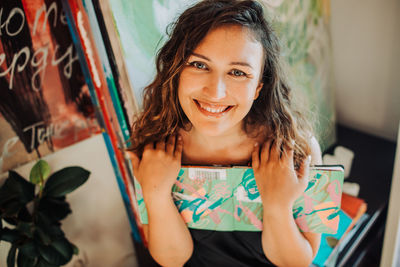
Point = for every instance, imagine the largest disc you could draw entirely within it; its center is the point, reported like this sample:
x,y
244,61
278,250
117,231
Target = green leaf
x,y
42,220
47,230
24,215
9,235
54,208
6,195
65,181
29,249
42,237
55,231
21,186
64,247
39,172
11,256
26,229
11,208
75,249
42,263
16,188
58,253
24,260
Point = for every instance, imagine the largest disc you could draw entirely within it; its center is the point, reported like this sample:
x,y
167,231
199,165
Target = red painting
x,y
45,104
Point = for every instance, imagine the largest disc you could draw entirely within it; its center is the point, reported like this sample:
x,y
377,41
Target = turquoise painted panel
x,y
227,199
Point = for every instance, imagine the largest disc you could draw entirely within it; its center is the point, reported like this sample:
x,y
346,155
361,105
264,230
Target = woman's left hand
x,y
277,180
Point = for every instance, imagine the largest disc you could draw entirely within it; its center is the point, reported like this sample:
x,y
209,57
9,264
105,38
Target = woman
x,y
220,97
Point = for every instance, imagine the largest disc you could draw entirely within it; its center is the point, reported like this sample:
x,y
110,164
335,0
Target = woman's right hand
x,y
168,238
159,166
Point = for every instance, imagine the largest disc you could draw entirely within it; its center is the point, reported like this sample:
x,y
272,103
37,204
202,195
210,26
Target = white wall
x,y
98,224
391,243
366,54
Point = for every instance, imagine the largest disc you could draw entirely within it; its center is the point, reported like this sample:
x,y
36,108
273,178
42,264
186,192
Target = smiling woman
x,y
220,97
219,83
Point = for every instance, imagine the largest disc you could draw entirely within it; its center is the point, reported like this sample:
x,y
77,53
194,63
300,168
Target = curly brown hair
x,y
273,110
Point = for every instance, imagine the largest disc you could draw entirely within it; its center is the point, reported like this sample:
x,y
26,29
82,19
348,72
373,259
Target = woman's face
x,y
220,80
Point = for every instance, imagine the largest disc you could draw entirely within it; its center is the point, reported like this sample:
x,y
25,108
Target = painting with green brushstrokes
x,y
303,28
227,199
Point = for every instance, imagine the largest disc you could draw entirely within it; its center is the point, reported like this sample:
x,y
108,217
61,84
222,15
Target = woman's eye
x,y
198,65
238,73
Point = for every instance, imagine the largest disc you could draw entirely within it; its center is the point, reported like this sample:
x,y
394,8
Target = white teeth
x,y
212,110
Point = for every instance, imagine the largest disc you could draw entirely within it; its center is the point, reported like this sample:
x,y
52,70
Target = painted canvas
x,y
142,28
303,27
45,103
227,199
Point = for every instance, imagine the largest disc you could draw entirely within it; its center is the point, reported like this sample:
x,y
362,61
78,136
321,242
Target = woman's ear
x,y
258,89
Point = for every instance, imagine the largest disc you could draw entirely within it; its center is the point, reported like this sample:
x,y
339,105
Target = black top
x,y
230,249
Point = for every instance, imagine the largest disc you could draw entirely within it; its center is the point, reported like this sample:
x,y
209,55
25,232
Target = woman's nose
x,y
216,88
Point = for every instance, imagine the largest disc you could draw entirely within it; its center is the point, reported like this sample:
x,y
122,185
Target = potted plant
x,y
33,211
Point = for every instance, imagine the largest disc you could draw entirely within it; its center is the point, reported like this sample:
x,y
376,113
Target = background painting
x,y
302,25
44,102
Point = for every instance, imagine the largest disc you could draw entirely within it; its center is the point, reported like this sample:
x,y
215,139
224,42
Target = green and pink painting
x,y
227,199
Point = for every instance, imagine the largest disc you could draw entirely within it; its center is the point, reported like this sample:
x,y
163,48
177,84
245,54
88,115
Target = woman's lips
x,y
212,110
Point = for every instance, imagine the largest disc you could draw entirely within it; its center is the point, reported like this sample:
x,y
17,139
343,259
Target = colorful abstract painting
x,y
302,25
227,199
327,252
45,103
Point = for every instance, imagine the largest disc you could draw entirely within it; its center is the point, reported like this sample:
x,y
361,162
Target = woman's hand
x,y
278,182
168,238
159,166
280,185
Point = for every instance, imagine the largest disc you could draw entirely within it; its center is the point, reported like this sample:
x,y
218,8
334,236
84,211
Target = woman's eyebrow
x,y
201,56
240,63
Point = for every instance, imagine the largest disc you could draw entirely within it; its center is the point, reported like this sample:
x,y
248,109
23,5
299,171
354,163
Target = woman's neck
x,y
216,143
232,148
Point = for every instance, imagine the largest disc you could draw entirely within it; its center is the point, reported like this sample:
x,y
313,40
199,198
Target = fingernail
x,y
256,144
179,137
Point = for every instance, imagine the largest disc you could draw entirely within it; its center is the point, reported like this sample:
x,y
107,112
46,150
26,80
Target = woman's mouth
x,y
212,110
